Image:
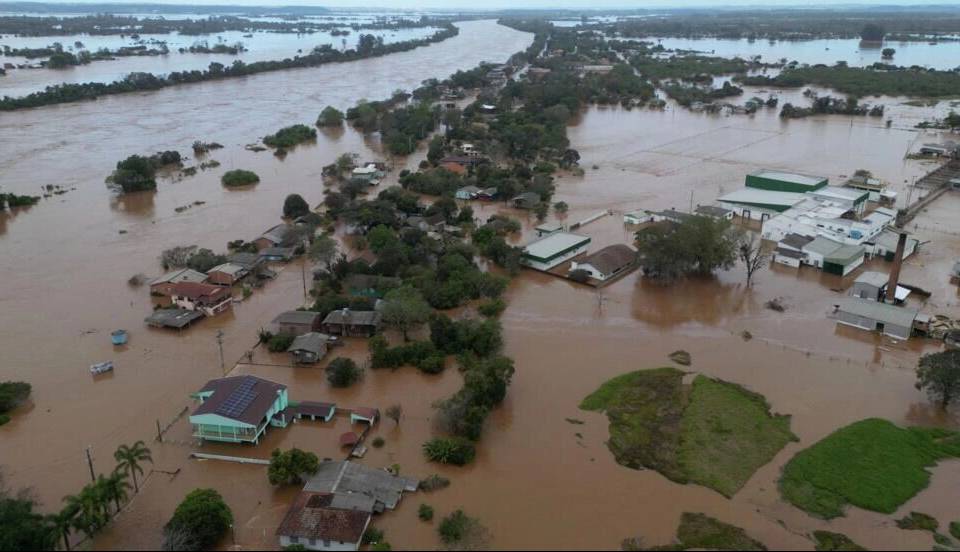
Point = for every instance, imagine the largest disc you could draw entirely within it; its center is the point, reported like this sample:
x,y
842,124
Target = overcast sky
x,y
508,4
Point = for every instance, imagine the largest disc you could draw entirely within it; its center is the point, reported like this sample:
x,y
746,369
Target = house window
x,y
294,540
313,542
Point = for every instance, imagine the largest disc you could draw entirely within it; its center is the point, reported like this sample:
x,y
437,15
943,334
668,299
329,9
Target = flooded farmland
x,y
536,483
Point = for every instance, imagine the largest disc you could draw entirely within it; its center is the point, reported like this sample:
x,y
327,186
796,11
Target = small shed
x,y
467,192
365,415
349,439
608,262
226,274
870,285
309,348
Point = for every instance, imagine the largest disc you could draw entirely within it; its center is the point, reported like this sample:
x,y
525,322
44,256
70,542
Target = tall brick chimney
x,y
895,269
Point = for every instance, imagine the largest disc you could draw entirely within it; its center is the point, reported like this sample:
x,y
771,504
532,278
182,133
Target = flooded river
x,y
260,46
536,483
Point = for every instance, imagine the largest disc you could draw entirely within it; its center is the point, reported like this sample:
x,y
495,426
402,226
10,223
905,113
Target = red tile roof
x,y
311,517
348,439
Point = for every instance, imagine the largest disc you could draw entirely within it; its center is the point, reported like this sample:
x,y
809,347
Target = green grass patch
x,y
727,433
712,433
702,532
871,464
826,540
955,529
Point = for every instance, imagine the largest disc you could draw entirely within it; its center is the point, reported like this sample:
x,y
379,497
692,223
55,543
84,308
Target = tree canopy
x,y
289,467
697,245
939,375
199,522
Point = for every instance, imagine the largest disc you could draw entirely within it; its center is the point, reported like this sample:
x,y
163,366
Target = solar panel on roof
x,y
239,400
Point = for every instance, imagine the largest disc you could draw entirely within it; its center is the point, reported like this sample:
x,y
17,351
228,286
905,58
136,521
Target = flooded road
x,y
535,483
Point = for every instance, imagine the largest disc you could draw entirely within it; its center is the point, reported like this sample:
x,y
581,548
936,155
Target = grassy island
x,y
709,432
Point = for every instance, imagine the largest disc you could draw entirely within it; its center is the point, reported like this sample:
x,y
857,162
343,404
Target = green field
x,y
871,464
702,532
712,433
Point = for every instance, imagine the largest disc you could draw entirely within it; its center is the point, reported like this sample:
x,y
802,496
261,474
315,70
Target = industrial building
x,y
554,249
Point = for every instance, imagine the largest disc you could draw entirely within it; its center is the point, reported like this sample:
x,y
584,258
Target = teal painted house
x,y
238,409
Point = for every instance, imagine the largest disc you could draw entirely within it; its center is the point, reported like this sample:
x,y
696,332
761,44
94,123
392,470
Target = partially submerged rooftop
x,y
554,244
350,478
245,399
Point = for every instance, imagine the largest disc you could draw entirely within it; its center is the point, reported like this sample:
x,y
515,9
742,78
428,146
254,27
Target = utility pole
x,y
303,276
220,344
93,476
691,202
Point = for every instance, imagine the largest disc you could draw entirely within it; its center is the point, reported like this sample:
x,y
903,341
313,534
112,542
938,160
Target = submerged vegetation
x,y
239,177
138,173
290,136
876,80
871,464
702,532
12,395
711,432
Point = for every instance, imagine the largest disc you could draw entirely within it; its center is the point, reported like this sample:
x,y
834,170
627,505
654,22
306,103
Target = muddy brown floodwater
x,y
535,483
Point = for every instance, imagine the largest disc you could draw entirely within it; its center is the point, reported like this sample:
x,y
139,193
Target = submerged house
x,y
887,319
526,200
314,523
335,506
238,409
209,299
348,322
295,323
607,263
226,274
309,348
164,284
273,237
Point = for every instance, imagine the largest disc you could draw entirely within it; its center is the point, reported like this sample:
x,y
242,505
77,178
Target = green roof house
x,y
778,181
238,409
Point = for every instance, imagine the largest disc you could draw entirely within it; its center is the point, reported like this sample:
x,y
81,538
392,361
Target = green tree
x,y
289,467
295,206
888,53
330,117
114,488
21,528
697,245
200,521
239,177
323,250
342,372
130,459
939,375
872,32
88,510
449,450
405,309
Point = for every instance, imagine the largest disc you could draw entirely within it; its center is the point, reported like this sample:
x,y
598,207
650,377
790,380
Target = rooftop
x,y
611,258
180,275
755,196
352,317
822,246
876,279
196,291
554,244
312,516
346,477
313,342
245,399
228,268
172,318
796,241
793,178
845,254
881,312
277,233
296,317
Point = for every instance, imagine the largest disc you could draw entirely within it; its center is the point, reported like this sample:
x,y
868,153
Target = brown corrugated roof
x,y
611,258
311,517
264,394
196,291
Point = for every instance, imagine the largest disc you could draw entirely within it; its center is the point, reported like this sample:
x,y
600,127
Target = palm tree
x,y
114,488
129,458
63,521
87,506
